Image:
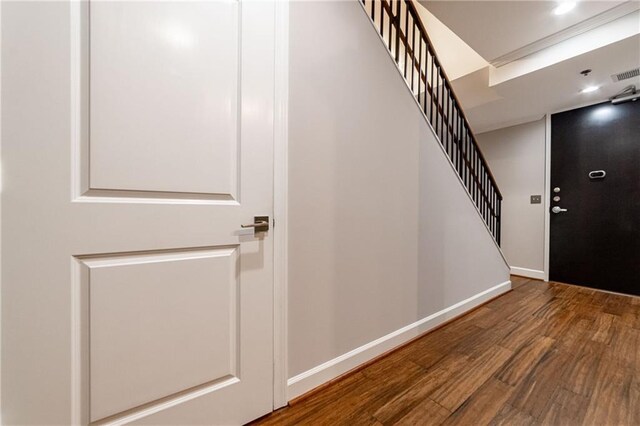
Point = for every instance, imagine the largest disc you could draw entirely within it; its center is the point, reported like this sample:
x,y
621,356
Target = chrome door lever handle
x,y
557,209
260,224
255,225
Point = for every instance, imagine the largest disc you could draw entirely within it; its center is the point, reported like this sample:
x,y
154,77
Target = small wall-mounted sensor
x,y
536,199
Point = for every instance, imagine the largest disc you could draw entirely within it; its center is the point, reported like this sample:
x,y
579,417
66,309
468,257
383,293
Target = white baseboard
x,y
306,381
529,273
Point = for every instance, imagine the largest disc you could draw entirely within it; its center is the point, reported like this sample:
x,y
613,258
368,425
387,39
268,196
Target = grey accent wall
x,y
516,156
381,232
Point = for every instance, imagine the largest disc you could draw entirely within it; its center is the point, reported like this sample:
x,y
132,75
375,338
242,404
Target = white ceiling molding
x,y
549,89
624,27
577,29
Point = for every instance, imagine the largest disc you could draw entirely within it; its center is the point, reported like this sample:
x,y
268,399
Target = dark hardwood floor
x,y
549,354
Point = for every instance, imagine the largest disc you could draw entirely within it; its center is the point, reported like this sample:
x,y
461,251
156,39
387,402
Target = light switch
x,y
536,199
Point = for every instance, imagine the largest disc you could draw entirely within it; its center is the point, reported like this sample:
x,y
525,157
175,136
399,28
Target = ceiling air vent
x,y
625,75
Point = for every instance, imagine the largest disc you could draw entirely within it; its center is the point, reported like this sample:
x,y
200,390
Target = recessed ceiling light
x,y
589,89
564,7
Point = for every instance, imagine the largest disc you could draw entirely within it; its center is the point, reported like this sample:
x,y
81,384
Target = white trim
x,y
547,193
173,402
528,273
280,205
572,31
306,381
0,211
426,119
77,407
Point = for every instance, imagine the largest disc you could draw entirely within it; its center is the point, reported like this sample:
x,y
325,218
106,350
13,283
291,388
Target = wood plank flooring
x,y
543,354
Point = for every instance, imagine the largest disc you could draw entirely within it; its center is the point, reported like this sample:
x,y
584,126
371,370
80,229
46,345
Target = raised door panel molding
x,y
163,97
159,324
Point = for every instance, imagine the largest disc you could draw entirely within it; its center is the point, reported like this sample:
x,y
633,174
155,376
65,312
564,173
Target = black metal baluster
x,y
440,108
495,216
468,148
498,236
493,206
484,194
434,123
426,83
452,119
482,191
459,142
468,157
447,122
474,183
382,18
454,132
490,194
390,12
454,141
475,177
419,66
445,118
397,25
490,214
406,37
479,177
448,127
481,188
413,50
463,142
491,209
466,151
444,129
432,90
441,99
486,198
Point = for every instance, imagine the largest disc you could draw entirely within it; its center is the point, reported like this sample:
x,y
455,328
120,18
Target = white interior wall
x,y
384,243
516,156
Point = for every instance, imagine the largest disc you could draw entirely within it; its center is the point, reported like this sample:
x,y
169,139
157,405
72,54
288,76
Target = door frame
x,y
547,193
280,206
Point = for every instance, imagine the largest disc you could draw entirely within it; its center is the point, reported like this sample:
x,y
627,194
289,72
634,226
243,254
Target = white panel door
x,y
136,138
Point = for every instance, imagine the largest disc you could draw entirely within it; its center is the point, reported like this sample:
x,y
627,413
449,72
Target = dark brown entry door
x,y
596,241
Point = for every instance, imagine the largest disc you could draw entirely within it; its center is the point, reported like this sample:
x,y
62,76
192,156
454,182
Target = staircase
x,y
406,38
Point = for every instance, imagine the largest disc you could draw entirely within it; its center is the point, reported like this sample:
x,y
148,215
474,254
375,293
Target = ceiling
x,y
545,55
455,55
497,28
548,90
